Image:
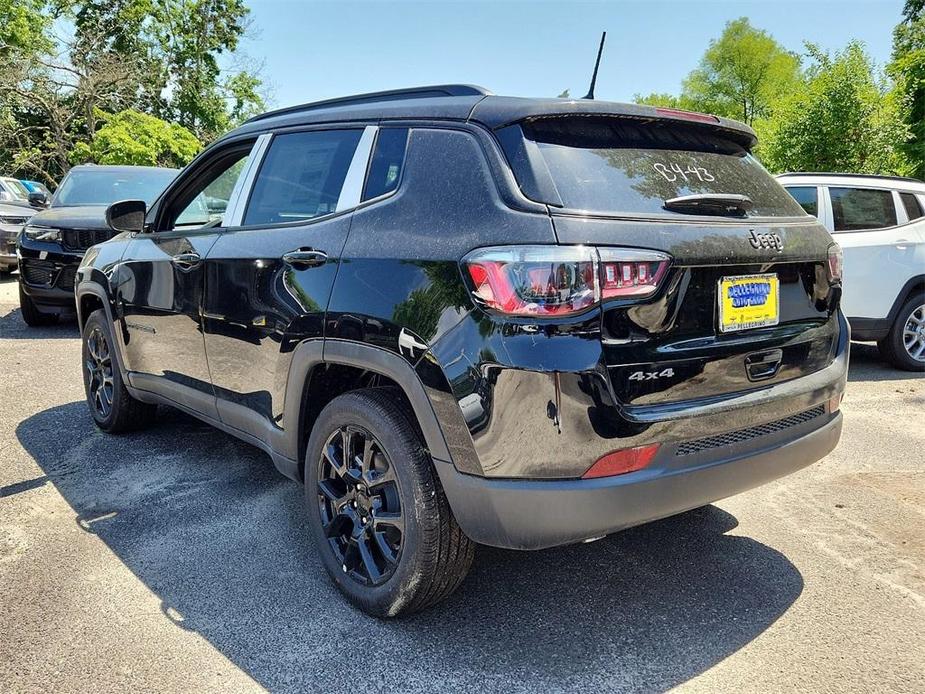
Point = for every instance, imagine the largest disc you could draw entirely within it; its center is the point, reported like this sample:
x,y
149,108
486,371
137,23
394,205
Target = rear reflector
x,y
621,462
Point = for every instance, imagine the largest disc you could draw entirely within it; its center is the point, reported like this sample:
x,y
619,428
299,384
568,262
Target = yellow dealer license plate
x,y
748,301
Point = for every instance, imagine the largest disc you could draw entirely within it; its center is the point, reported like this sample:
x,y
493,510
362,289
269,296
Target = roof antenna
x,y
597,63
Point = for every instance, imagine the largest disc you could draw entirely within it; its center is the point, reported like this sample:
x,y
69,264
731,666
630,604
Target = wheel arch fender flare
x,y
914,284
311,353
95,289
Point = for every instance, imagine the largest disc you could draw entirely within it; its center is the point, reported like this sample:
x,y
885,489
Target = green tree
x,y
908,70
664,100
23,26
139,139
742,74
192,34
842,118
178,45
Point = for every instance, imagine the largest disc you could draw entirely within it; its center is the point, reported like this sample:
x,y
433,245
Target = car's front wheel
x,y
31,314
904,347
377,512
113,408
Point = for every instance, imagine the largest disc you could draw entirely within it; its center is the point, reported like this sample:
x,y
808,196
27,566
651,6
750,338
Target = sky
x,y
316,50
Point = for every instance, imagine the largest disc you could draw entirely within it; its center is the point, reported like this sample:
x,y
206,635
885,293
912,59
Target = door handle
x,y
186,261
305,258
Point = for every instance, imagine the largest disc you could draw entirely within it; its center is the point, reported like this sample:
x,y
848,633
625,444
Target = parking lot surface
x,y
177,559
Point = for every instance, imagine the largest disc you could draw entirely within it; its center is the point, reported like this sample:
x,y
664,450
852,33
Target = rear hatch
x,y
747,300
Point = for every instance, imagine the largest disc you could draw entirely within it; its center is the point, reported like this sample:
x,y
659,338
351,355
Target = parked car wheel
x,y
904,347
377,512
31,314
114,410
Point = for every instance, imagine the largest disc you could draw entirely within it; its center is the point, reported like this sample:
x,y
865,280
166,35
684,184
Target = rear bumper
x,y
535,514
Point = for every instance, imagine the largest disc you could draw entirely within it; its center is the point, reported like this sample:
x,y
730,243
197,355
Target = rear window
x,y
617,166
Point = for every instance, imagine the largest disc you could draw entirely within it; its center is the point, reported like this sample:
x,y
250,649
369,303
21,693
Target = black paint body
x,y
241,339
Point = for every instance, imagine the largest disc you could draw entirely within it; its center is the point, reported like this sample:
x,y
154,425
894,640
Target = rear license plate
x,y
748,301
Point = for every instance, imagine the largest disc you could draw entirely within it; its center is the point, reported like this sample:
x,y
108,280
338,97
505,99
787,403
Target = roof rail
x,y
390,95
851,175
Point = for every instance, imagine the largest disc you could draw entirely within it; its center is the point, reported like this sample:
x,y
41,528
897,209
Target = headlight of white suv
x,y
41,233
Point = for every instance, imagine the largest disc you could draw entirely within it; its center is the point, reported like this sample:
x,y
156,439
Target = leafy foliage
x,y
908,70
841,119
839,114
174,61
139,139
742,74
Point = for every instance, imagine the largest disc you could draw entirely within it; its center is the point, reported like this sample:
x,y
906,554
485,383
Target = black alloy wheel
x,y
99,370
360,505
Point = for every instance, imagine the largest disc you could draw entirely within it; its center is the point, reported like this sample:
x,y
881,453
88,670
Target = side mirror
x,y
126,215
37,198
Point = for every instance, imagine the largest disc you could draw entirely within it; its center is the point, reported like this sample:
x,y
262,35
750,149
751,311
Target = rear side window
x,y
387,162
301,176
807,197
912,205
862,208
618,166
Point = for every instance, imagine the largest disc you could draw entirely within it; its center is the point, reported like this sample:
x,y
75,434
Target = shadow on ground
x,y
866,364
208,525
13,327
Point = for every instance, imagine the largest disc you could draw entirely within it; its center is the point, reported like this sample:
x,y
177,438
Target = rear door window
x,y
854,209
618,166
912,205
807,197
301,176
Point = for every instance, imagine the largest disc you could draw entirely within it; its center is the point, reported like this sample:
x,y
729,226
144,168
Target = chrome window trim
x,y
352,190
240,194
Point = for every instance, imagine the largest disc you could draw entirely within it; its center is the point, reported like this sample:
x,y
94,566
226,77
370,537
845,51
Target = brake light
x,y
687,115
622,461
550,281
834,262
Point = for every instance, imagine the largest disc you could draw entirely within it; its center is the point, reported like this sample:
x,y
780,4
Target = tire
x,y
33,317
112,407
904,347
431,554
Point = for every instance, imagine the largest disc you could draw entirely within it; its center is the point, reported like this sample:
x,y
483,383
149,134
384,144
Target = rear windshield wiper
x,y
727,204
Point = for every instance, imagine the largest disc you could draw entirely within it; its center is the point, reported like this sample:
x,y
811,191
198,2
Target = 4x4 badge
x,y
765,241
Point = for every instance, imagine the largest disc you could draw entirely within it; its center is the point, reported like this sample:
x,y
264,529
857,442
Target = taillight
x,y
550,281
622,461
628,273
835,260
535,280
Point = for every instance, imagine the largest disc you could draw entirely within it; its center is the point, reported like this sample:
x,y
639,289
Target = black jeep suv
x,y
54,241
461,318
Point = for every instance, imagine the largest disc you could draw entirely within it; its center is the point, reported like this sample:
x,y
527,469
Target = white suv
x,y
879,221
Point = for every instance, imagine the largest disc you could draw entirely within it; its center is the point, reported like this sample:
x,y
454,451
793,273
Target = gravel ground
x,y
177,559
